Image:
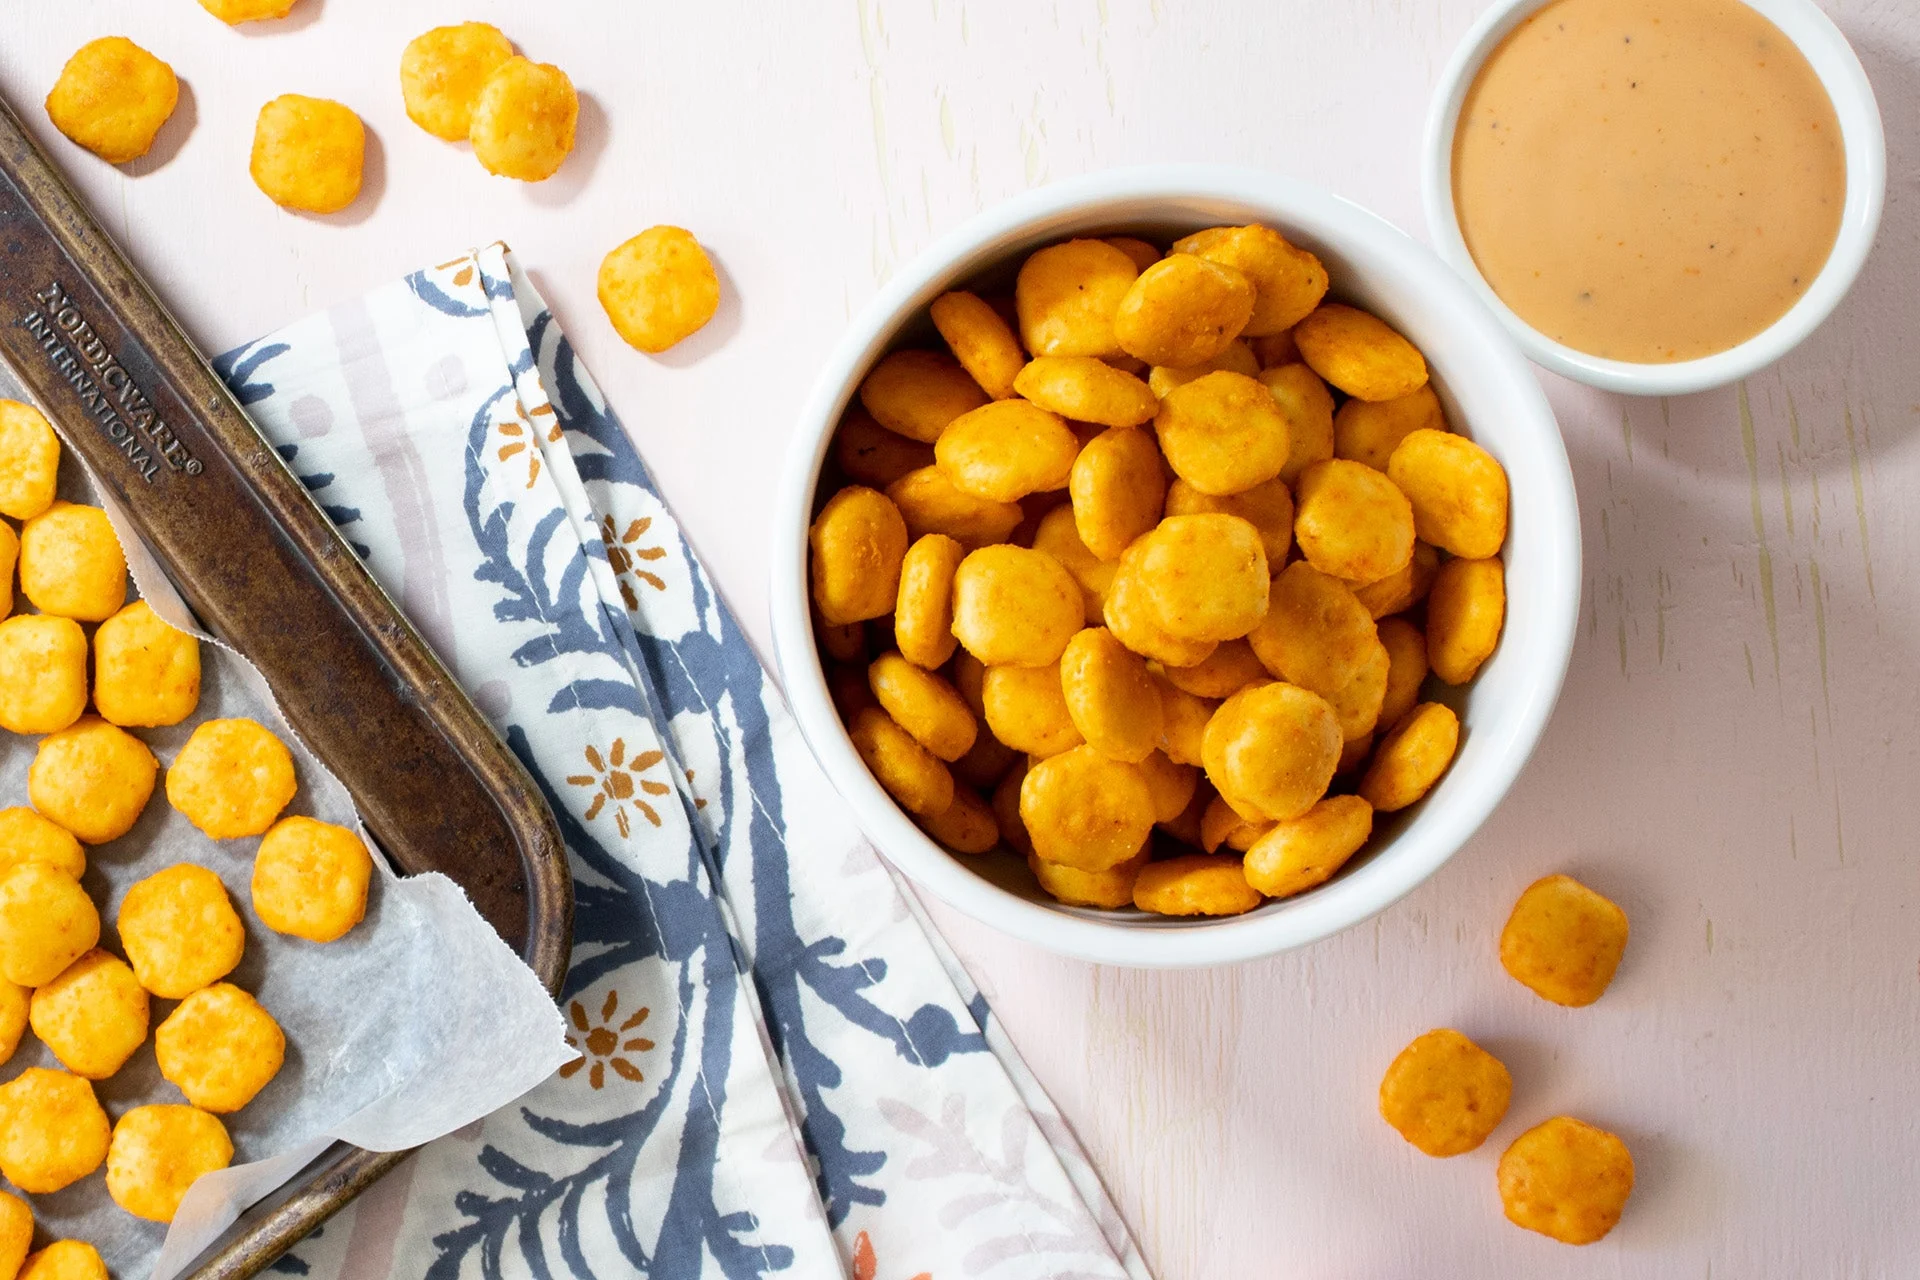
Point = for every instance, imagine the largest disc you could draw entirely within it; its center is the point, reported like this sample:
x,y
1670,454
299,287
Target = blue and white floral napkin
x,y
784,1071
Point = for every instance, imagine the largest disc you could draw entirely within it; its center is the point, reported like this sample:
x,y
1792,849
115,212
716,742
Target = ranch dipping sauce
x,y
1648,180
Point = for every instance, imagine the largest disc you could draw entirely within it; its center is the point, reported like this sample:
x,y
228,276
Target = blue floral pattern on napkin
x,y
783,1071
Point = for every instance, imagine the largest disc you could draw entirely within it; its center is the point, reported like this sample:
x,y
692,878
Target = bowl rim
x,y
1864,141
1342,902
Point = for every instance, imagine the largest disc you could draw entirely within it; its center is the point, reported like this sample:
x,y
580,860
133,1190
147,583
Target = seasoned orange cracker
x,y
54,1132
1567,1180
92,778
308,153
47,922
112,97
442,71
158,1152
232,778
219,1047
1444,1093
523,121
659,288
93,1016
310,879
180,930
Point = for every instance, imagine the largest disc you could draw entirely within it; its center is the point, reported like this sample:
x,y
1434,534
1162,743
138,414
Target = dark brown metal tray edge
x,y
175,364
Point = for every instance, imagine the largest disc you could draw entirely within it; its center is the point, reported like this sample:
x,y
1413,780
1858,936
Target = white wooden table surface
x,y
1735,757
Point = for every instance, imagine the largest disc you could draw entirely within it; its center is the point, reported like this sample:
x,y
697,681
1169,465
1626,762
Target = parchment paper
x,y
419,1021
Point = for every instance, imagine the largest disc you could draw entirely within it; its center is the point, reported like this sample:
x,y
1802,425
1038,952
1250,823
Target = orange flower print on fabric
x,y
464,276
519,437
866,1266
617,783
603,1045
624,554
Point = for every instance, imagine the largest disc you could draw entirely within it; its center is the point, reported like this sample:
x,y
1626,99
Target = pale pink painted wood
x,y
1735,757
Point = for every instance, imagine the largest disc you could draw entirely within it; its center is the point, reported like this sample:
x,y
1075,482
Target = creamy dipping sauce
x,y
1648,180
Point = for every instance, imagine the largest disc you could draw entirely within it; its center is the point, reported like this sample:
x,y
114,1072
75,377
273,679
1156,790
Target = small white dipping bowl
x,y
1489,393
1832,59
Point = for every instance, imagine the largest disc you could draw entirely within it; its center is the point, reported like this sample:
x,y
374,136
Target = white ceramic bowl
x,y
1832,59
1488,391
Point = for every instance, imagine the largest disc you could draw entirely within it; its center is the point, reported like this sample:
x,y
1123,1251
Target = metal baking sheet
x,y
263,570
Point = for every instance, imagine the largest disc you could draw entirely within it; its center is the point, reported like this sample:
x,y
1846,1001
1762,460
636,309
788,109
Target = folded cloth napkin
x,y
783,1070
